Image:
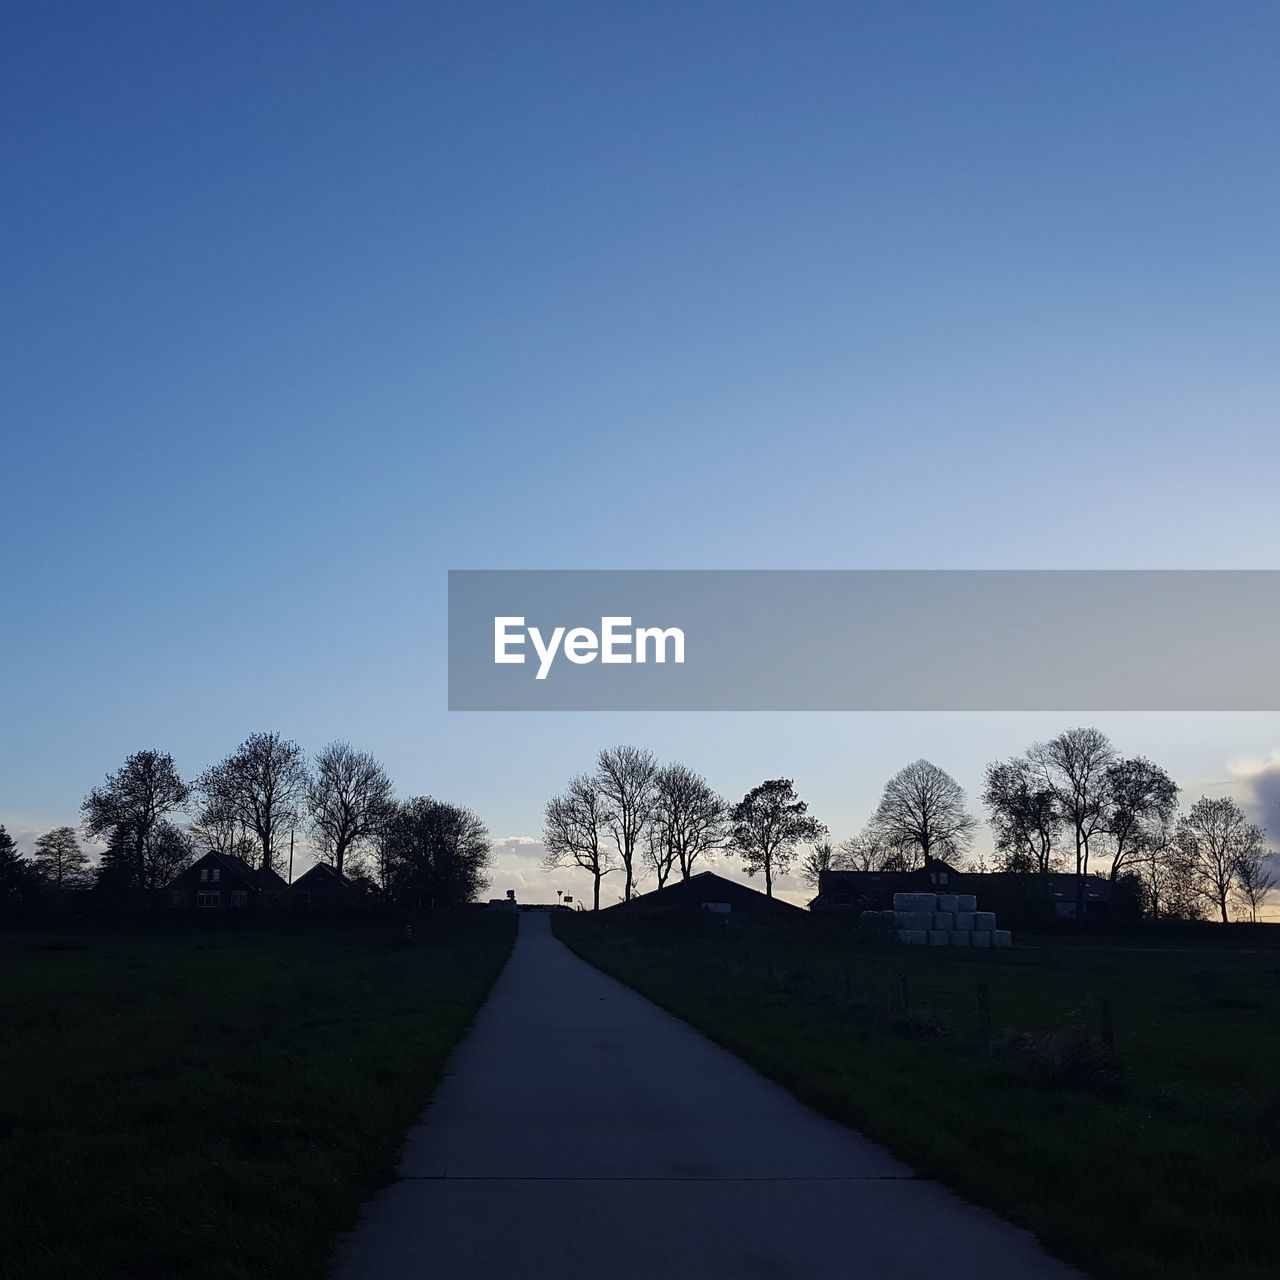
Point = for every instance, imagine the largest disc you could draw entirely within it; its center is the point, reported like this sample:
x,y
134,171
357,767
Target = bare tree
x,y
625,778
1074,767
822,856
134,799
1255,878
694,818
1215,837
659,850
218,828
870,850
1165,876
1140,797
60,860
574,830
924,807
350,798
264,783
766,825
1025,819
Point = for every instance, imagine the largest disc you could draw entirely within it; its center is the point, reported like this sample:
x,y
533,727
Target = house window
x,y
239,897
204,873
943,877
209,898
217,875
302,899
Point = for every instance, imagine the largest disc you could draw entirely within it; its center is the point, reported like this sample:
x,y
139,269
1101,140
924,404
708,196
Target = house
x,y
873,890
1018,892
223,882
707,891
323,888
1008,893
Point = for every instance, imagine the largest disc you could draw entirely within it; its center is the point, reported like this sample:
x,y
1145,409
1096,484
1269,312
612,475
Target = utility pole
x,y
291,857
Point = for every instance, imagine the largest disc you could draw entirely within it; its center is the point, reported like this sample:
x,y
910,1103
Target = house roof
x,y
706,886
1061,884
323,871
264,880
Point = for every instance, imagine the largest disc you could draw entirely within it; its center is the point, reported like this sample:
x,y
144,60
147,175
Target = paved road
x,y
581,1133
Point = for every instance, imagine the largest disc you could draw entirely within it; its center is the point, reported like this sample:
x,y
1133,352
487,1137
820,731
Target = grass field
x,y
216,1103
1154,1160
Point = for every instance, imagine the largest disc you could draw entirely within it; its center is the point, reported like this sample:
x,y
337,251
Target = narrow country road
x,y
582,1133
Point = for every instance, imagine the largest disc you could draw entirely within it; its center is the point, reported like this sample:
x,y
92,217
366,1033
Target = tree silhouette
x,y
626,777
1140,798
822,856
18,881
436,854
1255,878
923,807
694,820
1215,837
59,859
144,790
1074,767
350,799
263,785
1025,818
573,832
766,825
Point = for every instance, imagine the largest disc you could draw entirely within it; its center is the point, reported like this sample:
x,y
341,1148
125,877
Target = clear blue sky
x,y
304,305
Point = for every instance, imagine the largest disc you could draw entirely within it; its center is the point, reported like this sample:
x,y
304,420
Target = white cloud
x,y
1258,780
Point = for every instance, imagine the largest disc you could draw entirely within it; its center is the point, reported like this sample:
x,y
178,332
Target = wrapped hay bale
x,y
961,937
869,920
980,938
985,920
915,919
1001,938
913,937
888,919
944,920
939,937
964,920
966,902
947,902
914,901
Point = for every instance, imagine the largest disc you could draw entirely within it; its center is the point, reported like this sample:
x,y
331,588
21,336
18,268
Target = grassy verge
x,y
217,1104
1155,1159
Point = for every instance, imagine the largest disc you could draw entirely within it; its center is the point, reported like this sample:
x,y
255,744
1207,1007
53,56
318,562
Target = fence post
x,y
984,1009
1108,1029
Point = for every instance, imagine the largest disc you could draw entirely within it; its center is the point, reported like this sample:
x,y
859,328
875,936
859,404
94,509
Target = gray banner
x,y
864,640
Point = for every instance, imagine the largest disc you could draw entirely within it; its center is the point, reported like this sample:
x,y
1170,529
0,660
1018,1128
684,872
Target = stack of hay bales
x,y
939,920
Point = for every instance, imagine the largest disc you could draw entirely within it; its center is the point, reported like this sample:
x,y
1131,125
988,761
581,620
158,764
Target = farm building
x,y
223,882
707,891
1007,892
323,888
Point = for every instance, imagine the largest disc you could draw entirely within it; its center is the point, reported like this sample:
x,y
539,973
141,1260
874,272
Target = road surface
x,y
581,1133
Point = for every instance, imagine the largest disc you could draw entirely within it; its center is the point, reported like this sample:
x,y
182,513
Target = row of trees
x,y
1072,804
634,814
1075,800
420,850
